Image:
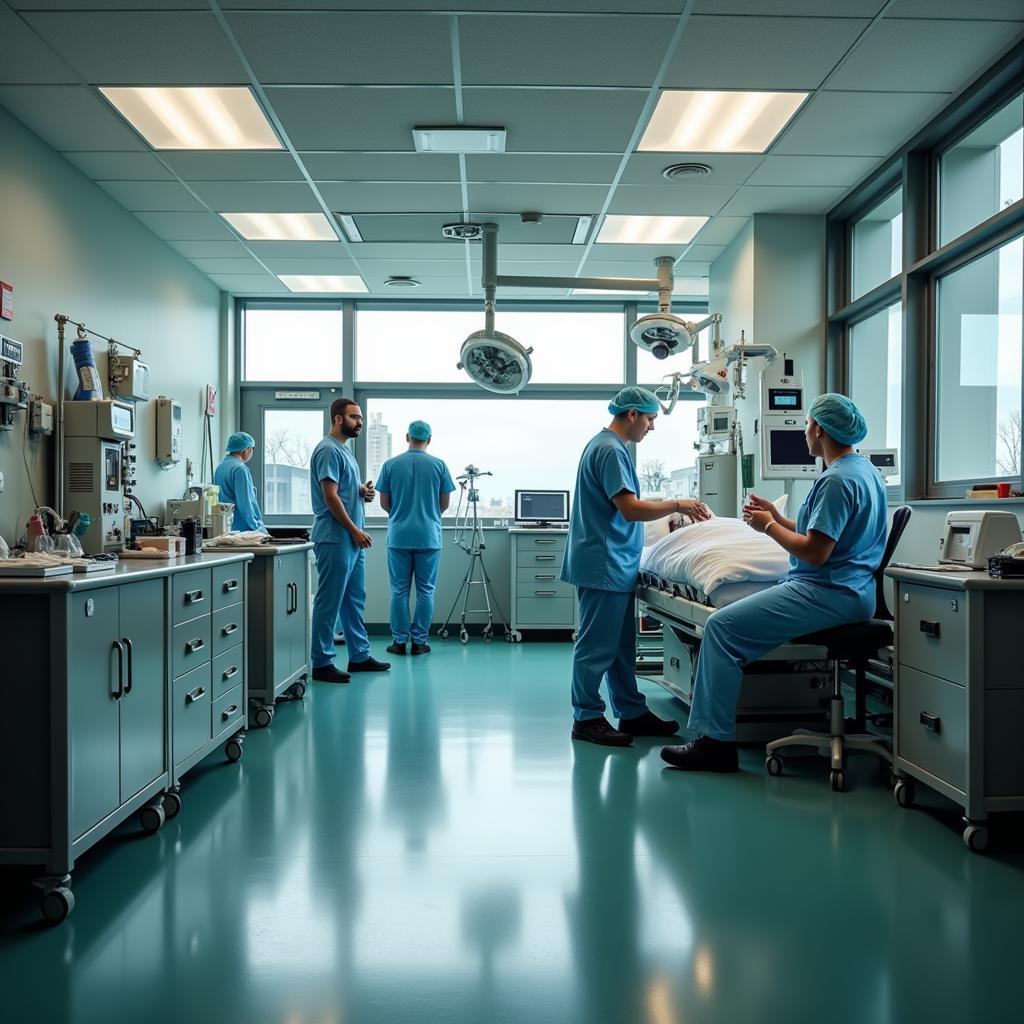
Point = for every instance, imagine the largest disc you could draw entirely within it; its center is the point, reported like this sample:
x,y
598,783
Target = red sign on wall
x,y
6,300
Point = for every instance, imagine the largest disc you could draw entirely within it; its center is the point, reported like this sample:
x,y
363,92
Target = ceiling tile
x,y
153,196
294,250
537,252
134,48
792,8
1007,10
515,199
704,253
198,166
903,55
558,120
120,166
857,123
384,197
187,227
604,252
399,263
726,168
109,5
350,48
210,250
632,8
812,170
257,196
68,117
721,230
753,199
311,265
562,51
576,168
675,200
27,59
381,166
412,228
216,265
760,53
359,118
249,284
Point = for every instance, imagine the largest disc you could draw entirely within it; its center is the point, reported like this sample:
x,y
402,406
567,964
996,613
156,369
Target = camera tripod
x,y
469,536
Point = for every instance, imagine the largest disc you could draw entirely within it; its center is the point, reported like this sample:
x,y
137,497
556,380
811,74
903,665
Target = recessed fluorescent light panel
x,y
620,229
718,122
195,118
579,236
323,282
282,227
458,139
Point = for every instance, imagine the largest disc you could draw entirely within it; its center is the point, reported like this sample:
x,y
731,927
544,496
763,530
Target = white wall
x,y
68,247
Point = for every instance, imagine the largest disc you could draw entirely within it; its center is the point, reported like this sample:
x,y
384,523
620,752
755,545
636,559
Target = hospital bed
x,y
684,578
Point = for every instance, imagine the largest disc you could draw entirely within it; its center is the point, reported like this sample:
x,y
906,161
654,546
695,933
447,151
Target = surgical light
x,y
496,361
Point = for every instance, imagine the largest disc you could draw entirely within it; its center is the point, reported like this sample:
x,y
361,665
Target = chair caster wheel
x,y
903,792
837,780
57,904
263,717
444,634
152,818
976,838
172,805
298,689
773,764
233,750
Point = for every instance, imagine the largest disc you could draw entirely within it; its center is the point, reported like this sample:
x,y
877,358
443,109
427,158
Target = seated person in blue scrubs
x,y
835,546
338,544
602,560
234,483
414,490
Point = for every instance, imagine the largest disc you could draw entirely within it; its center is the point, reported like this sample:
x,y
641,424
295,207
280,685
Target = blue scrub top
x,y
848,504
603,550
333,461
415,480
234,481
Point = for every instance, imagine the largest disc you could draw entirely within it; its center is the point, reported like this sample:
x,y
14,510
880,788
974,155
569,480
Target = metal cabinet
x,y
540,600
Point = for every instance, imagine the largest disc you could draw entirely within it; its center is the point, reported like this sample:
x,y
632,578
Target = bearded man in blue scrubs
x,y
602,560
339,541
234,483
835,545
414,488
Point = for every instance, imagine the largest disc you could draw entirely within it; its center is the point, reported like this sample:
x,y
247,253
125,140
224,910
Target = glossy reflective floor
x,y
430,846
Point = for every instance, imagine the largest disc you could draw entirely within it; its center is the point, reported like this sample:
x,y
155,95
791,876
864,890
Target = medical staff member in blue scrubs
x,y
602,559
835,546
234,483
339,541
414,488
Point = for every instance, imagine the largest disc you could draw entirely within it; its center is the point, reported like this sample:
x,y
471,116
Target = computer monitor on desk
x,y
542,508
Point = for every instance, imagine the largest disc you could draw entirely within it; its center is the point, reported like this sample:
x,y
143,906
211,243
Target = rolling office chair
x,y
854,644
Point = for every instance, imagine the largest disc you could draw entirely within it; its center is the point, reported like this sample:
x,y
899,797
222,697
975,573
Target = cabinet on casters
x,y
540,600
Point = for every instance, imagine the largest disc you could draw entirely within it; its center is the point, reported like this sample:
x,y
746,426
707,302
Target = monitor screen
x,y
886,460
784,399
542,506
788,447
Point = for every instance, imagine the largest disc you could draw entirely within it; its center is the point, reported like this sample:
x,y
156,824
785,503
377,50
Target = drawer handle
x,y
228,712
539,540
930,627
931,722
193,596
545,558
230,672
194,645
228,630
544,593
538,577
230,586
193,695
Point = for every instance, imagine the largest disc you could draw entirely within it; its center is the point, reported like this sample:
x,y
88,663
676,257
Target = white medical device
x,y
168,432
971,538
885,460
784,454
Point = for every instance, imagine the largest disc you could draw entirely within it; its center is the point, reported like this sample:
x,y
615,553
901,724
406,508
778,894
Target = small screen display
x,y
542,506
959,547
789,448
783,399
121,419
884,459
720,423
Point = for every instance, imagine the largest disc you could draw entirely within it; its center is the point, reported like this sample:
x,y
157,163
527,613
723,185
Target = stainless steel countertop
x,y
262,550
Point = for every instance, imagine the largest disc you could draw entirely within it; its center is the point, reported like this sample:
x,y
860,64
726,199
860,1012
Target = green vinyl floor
x,y
429,846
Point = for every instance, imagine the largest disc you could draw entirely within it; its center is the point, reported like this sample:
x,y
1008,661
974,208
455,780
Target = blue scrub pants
x,y
742,632
605,646
341,568
403,565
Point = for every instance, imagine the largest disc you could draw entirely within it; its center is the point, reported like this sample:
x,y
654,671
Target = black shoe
x,y
648,724
330,674
369,665
397,648
599,730
420,648
703,755
339,641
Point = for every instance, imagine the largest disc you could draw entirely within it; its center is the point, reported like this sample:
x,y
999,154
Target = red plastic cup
x,y
1003,490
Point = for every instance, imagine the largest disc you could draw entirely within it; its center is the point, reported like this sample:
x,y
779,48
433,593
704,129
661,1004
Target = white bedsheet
x,y
713,556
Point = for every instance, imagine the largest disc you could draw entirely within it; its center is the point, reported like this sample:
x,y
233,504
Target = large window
x,y
666,460
983,173
978,401
292,344
878,245
876,377
289,437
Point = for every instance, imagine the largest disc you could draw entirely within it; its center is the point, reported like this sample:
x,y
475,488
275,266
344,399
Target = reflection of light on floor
x,y
660,1008
704,971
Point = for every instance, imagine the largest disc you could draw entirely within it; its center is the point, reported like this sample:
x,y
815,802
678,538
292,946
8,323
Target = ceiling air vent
x,y
401,281
686,172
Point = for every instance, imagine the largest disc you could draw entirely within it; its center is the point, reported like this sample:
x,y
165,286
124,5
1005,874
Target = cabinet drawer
x,y
226,712
228,628
932,631
227,584
931,730
539,556
191,712
228,670
541,585
190,646
545,611
543,542
191,595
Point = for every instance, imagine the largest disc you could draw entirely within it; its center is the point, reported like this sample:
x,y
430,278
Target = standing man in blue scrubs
x,y
234,483
339,542
835,546
414,489
602,559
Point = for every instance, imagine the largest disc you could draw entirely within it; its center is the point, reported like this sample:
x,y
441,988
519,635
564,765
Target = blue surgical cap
x,y
239,442
839,418
634,398
419,430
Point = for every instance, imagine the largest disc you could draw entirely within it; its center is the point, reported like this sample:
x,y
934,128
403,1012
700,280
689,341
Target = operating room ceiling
x,y
574,82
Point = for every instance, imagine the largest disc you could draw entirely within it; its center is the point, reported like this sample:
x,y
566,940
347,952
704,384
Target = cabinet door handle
x,y
228,630
551,576
545,558
228,712
119,692
230,672
193,695
544,593
541,540
931,722
194,645
930,627
131,664
193,596
230,586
